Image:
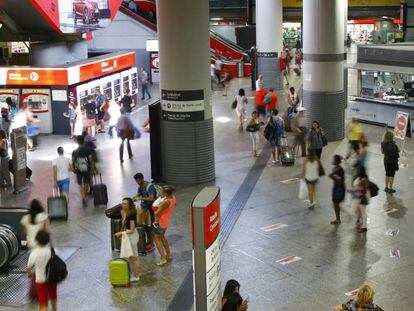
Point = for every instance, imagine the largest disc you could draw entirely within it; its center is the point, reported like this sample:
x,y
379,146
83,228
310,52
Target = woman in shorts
x,y
312,168
163,212
391,154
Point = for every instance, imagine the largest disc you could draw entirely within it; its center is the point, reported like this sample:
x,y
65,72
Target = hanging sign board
x,y
182,106
402,126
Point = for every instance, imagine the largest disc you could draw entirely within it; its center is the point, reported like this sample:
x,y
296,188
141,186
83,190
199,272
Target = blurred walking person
x,y
354,137
126,132
241,100
5,178
114,112
253,127
144,84
360,194
300,131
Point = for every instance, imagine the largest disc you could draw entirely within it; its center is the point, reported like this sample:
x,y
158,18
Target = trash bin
x,y
240,69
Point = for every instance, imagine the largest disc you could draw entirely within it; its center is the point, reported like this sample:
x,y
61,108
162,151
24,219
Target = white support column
x,y
186,125
323,66
269,41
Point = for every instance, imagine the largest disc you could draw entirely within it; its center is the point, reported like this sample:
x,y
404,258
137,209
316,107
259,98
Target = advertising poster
x,y
86,15
134,80
155,68
117,86
402,120
125,82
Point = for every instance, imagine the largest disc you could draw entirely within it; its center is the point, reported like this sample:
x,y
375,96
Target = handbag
x,y
56,270
126,247
324,140
321,170
128,133
303,190
234,104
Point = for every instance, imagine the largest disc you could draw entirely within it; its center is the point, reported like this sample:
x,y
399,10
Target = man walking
x,y
61,167
144,81
82,162
278,130
270,102
100,107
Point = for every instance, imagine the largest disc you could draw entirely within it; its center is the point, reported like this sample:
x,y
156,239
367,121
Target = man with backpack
x,y
147,193
273,132
82,162
270,102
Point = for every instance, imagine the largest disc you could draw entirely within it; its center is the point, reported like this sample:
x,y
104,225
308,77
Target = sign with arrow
x,y
182,106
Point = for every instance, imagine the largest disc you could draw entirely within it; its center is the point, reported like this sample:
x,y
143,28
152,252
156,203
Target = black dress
x,y
338,191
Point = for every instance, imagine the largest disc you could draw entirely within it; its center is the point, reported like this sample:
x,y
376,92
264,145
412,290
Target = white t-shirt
x,y
39,257
33,229
218,64
62,165
312,170
258,81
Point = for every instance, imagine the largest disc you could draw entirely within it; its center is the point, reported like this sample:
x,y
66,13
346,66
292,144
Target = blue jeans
x,y
145,90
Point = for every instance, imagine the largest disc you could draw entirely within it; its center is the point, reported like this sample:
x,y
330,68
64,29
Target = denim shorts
x,y
63,185
275,142
159,230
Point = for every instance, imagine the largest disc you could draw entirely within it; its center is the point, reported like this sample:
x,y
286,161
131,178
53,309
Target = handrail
x,y
139,18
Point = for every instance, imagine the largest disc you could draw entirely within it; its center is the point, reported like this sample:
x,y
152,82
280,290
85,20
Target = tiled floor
x,y
335,260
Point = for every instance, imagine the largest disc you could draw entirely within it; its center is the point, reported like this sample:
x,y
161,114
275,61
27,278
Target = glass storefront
x,y
387,86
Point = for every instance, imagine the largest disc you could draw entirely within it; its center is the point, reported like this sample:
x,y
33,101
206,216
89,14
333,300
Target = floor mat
x,y
14,283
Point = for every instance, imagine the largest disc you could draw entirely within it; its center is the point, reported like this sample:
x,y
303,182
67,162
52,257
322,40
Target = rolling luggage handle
x,y
55,190
94,179
284,142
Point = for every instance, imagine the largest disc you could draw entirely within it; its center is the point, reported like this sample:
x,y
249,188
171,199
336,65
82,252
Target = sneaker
x,y
162,263
362,230
392,191
134,279
386,189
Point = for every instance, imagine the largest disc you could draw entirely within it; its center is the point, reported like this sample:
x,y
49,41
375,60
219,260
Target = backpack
x,y
269,130
373,189
278,130
82,164
157,188
56,270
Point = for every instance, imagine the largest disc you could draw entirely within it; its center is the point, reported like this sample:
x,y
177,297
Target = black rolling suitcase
x,y
286,154
142,241
115,227
57,207
100,193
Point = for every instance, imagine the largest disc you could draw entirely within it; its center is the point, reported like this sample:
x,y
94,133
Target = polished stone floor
x,y
334,260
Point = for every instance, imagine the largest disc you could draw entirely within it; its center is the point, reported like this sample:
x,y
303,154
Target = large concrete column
x,y
187,124
323,66
269,41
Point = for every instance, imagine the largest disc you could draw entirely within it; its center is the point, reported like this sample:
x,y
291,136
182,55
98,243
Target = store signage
x,y
152,45
35,76
182,105
205,220
155,68
106,66
402,120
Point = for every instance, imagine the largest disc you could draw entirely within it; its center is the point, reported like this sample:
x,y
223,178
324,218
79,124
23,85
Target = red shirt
x,y
273,101
282,64
260,96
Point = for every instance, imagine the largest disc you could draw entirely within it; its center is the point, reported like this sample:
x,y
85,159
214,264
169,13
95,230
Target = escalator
x,y
232,55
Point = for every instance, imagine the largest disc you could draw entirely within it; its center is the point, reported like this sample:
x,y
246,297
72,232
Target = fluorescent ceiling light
x,y
223,119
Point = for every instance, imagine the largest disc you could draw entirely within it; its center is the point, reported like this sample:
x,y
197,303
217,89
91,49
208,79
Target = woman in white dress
x,y
241,100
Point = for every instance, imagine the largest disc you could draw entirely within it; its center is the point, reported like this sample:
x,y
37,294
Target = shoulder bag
x,y
56,270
